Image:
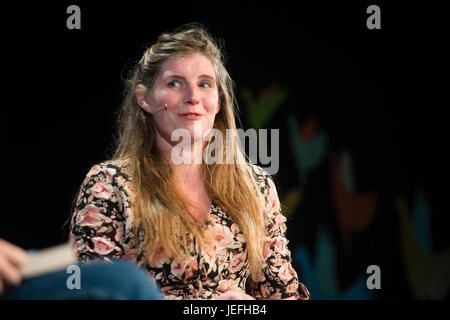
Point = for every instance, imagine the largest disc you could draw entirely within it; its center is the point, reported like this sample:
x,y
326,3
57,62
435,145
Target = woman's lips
x,y
191,116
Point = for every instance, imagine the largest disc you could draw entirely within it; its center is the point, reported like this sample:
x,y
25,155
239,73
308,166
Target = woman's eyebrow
x,y
208,77
177,76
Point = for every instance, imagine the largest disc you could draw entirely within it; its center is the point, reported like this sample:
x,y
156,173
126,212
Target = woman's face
x,y
188,86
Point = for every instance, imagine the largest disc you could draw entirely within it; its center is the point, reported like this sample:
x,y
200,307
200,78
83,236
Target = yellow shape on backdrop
x,y
291,201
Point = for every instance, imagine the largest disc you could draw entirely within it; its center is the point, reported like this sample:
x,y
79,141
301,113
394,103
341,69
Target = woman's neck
x,y
189,178
186,173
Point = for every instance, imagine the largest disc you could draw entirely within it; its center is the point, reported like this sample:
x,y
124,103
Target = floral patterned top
x,y
101,229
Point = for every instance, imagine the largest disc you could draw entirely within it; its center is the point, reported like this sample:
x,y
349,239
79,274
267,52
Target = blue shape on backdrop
x,y
421,221
320,277
308,153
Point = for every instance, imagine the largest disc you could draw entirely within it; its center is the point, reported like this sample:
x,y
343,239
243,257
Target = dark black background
x,y
381,93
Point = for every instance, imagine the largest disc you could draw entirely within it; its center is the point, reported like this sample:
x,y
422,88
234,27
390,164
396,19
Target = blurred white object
x,y
48,260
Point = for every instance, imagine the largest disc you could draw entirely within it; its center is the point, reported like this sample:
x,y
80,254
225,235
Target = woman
x,y
202,230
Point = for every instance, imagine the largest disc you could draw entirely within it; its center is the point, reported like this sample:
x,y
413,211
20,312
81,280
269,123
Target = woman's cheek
x,y
165,97
213,102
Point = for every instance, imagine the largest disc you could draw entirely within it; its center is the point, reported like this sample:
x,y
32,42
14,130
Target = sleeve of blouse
x,y
277,279
97,226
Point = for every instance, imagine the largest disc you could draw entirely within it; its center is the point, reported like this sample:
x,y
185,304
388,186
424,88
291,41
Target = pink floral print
x,y
101,229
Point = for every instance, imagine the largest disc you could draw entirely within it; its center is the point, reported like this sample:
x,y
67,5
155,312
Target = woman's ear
x,y
218,107
141,98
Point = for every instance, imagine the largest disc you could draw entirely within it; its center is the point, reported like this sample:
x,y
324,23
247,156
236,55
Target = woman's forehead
x,y
192,65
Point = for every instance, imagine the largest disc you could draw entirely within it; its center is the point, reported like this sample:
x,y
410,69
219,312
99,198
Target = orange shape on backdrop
x,y
355,210
309,129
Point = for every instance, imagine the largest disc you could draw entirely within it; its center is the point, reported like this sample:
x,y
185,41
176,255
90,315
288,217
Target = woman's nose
x,y
192,95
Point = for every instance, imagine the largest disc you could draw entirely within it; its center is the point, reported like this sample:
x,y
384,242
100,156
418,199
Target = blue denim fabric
x,y
99,281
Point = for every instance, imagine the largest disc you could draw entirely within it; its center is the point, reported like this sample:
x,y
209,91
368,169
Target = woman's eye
x,y
205,85
173,84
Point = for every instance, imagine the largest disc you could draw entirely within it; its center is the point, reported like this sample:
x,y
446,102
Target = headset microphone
x,y
163,107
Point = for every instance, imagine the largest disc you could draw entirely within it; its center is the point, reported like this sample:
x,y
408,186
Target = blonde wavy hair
x,y
160,215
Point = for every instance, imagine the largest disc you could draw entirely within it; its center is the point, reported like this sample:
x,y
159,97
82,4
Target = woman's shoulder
x,y
268,189
264,180
261,175
111,168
